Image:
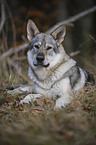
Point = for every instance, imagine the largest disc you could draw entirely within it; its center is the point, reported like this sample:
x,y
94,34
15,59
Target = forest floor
x,y
38,123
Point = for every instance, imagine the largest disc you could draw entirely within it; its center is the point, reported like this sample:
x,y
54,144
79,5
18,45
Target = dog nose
x,y
40,57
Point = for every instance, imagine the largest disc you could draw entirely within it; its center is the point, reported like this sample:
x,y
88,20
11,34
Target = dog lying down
x,y
51,70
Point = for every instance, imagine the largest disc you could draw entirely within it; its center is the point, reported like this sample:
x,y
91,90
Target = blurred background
x,y
45,13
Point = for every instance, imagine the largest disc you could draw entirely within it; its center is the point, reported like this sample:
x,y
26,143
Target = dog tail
x,y
89,78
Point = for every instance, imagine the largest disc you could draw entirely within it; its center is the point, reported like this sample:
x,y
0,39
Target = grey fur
x,y
54,72
51,70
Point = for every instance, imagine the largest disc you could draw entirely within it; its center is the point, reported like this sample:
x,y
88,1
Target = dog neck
x,y
53,76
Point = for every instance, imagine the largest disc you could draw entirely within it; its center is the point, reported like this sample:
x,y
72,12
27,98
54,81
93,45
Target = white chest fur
x,y
56,83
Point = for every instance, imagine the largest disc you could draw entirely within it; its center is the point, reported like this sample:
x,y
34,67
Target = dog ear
x,y
32,30
59,34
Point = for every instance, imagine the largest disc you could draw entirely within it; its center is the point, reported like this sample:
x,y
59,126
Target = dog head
x,y
44,48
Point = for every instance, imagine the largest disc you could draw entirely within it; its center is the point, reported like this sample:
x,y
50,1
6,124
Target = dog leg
x,y
30,98
63,101
21,90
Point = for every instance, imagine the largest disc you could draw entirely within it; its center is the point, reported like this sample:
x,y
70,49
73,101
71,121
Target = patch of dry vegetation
x,y
38,123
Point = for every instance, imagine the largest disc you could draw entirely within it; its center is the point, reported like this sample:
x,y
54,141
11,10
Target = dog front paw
x,y
59,103
30,98
21,90
63,101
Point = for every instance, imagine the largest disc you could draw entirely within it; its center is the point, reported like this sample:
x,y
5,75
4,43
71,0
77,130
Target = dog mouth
x,y
41,64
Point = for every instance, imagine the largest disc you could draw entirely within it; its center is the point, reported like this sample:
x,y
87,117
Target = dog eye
x,y
36,46
49,47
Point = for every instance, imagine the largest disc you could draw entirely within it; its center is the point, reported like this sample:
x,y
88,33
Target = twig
x,y
74,53
12,22
70,20
2,15
4,40
92,38
19,58
73,18
14,50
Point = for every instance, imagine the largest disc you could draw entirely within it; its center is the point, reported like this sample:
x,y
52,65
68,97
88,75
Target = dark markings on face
x,y
47,42
33,42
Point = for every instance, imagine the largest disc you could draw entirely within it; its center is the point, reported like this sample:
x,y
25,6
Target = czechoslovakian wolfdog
x,y
53,72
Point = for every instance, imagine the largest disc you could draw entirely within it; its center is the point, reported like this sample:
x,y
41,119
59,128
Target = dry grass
x,y
39,124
